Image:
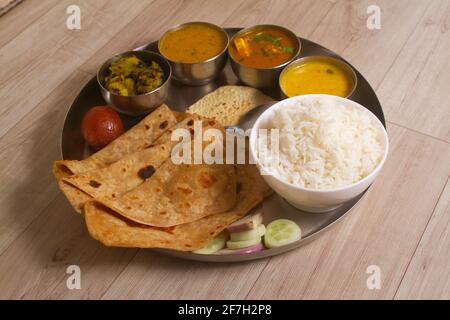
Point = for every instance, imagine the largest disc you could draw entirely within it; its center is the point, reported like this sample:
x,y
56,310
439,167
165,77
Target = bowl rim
x,y
282,65
125,53
181,25
336,60
321,96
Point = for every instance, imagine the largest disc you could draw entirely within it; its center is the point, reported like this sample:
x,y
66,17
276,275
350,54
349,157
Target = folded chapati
x,y
112,229
177,194
181,193
114,180
122,175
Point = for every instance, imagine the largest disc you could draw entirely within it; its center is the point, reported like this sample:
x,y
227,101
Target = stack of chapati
x,y
133,195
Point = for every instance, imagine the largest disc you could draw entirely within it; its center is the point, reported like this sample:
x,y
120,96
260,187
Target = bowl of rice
x,y
318,151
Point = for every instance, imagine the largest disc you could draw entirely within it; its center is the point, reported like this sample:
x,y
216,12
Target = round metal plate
x,y
73,146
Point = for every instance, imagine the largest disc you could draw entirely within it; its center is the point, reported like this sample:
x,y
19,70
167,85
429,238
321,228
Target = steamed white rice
x,y
323,145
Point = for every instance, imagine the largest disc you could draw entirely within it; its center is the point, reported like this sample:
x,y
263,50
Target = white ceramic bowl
x,y
315,200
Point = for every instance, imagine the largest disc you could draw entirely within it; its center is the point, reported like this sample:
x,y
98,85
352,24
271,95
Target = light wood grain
x,y
183,279
49,52
300,16
7,5
401,225
26,156
372,52
28,11
428,276
415,91
56,239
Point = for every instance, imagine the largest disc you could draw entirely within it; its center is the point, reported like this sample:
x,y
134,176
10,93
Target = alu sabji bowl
x,y
138,104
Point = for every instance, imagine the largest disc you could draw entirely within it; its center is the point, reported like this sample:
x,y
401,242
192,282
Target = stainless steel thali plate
x,y
181,96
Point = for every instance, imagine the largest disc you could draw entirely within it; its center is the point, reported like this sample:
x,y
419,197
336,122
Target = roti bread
x,y
180,193
121,176
114,180
112,229
177,194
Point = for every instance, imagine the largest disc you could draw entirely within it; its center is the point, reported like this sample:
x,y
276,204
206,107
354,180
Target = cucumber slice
x,y
249,234
213,245
262,230
235,245
281,232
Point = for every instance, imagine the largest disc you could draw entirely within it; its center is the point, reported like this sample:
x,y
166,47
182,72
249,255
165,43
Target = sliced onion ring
x,y
253,249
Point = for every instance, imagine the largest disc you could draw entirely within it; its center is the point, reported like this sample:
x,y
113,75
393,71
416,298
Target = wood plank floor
x,y
402,225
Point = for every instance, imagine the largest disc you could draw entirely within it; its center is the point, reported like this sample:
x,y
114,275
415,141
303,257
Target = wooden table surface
x,y
402,225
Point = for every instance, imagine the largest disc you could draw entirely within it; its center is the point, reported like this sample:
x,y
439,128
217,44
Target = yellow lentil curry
x,y
192,43
316,76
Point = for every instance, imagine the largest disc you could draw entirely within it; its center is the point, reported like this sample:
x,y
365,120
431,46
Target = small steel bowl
x,y
262,77
335,61
198,73
142,103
